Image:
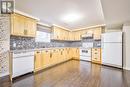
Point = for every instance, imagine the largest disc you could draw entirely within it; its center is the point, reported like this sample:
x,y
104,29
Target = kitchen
x,y
71,51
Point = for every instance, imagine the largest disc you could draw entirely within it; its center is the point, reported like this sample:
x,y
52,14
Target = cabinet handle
x,y
61,52
25,32
38,52
50,55
95,49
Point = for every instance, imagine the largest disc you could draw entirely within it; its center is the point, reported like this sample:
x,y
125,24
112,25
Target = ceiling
x,y
86,12
116,12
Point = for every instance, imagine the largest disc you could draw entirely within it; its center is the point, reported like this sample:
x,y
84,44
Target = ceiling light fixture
x,y
72,17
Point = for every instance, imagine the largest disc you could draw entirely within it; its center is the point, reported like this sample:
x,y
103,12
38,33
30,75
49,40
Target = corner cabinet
x,y
23,26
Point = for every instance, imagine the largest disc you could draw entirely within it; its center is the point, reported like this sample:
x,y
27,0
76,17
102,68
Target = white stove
x,y
85,51
85,54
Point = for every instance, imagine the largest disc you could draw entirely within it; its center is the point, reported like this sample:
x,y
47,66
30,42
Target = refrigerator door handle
x,y
102,42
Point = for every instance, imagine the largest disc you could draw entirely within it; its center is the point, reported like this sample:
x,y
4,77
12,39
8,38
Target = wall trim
x,y
126,68
101,25
62,27
43,24
25,14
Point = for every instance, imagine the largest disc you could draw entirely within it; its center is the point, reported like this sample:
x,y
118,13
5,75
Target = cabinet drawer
x,y
96,58
96,49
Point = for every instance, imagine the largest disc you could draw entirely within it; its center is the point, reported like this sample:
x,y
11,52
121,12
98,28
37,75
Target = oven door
x,y
85,52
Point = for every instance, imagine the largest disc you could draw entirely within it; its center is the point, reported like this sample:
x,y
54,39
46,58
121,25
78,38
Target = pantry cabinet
x,y
96,55
23,26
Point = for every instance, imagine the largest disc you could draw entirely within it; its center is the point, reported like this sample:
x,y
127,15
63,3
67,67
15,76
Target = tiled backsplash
x,y
17,43
20,43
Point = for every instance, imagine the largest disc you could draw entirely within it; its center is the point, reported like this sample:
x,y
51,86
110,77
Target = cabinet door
x,y
77,53
53,57
97,33
70,53
17,23
65,54
46,58
56,33
96,55
38,60
30,27
70,36
62,55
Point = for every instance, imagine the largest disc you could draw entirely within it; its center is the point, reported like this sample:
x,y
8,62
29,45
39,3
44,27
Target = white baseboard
x,y
4,74
126,68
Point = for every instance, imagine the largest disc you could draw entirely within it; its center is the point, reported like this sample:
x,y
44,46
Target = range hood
x,y
88,35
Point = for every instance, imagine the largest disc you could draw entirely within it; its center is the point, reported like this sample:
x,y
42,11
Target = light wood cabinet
x,y
38,64
96,55
17,24
23,26
30,27
61,34
76,54
97,33
46,58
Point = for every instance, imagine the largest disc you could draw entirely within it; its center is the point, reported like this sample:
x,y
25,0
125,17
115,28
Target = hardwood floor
x,y
74,74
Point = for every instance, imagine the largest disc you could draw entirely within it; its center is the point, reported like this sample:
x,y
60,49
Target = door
x,y
112,53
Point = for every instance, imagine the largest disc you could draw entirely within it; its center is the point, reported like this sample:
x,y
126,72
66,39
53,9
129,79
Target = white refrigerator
x,y
112,49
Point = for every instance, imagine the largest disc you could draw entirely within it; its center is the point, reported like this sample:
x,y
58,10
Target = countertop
x,y
36,49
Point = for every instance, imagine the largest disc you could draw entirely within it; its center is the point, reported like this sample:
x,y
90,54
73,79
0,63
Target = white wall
x,y
113,30
126,47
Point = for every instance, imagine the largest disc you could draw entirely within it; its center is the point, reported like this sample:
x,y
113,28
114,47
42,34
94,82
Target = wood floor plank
x,y
73,74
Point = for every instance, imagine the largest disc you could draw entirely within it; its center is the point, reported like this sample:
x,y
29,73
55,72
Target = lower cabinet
x,y
96,55
46,58
50,57
38,61
76,53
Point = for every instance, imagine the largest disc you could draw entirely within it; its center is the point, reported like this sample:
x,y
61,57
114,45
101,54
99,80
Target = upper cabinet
x,y
97,33
62,34
23,26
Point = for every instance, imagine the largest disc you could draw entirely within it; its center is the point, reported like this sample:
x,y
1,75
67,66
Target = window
x,y
42,36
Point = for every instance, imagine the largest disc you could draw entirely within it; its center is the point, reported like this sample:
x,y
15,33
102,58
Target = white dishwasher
x,y
23,62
